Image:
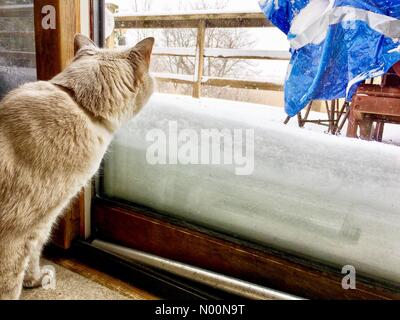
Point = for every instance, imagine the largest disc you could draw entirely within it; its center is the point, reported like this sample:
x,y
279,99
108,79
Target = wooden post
x,y
335,104
366,127
378,134
200,50
352,128
54,51
55,47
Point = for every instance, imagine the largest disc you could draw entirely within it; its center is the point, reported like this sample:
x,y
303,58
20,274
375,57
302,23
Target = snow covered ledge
x,y
332,199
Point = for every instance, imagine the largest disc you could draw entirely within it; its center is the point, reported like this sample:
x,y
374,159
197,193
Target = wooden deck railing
x,y
202,21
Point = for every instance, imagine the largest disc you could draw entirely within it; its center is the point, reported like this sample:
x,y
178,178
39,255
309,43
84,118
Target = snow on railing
x,y
224,53
209,12
213,19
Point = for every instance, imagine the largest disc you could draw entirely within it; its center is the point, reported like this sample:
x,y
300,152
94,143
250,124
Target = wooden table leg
x,y
352,125
378,134
366,128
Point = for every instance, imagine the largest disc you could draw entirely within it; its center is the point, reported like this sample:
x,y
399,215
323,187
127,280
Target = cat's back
x,y
49,147
40,124
40,101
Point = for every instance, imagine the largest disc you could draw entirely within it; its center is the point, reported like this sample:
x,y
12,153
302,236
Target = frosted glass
x,y
17,44
330,199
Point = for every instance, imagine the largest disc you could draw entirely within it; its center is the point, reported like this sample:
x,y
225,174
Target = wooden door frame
x,y
55,47
54,51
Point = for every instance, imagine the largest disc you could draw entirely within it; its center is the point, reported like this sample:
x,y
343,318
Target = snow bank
x,y
332,199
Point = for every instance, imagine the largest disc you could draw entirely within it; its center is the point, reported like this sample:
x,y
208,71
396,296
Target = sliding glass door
x,y
189,172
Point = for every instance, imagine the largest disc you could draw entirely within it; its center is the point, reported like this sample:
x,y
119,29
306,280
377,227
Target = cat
x,y
53,136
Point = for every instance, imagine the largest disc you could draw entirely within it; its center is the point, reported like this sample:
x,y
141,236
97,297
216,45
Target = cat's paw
x,y
45,279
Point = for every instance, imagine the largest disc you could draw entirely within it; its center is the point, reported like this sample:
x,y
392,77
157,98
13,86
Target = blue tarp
x,y
337,49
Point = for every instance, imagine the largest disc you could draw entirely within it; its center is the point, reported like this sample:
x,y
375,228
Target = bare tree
x,y
232,38
229,38
142,6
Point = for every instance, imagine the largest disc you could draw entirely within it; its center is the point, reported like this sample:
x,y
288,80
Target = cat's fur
x,y
53,136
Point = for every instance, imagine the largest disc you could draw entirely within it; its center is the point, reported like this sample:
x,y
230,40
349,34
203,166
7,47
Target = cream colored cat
x,y
53,136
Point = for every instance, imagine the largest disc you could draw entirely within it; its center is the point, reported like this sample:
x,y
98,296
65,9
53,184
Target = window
x,y
17,44
289,192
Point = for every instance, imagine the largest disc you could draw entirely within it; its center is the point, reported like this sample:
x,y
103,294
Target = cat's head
x,y
110,84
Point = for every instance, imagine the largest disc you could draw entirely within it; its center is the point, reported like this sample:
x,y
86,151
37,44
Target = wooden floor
x,y
69,285
103,279
88,277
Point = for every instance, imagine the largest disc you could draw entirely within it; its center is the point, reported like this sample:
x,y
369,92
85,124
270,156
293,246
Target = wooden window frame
x,y
55,47
54,51
145,230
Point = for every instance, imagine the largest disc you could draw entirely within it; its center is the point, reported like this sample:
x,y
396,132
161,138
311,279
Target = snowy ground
x,y
263,114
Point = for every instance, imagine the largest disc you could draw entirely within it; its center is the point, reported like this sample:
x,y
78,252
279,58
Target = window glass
x,y
227,162
17,44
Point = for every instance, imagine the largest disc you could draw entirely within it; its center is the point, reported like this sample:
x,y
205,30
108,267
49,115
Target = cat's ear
x,y
81,41
145,49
